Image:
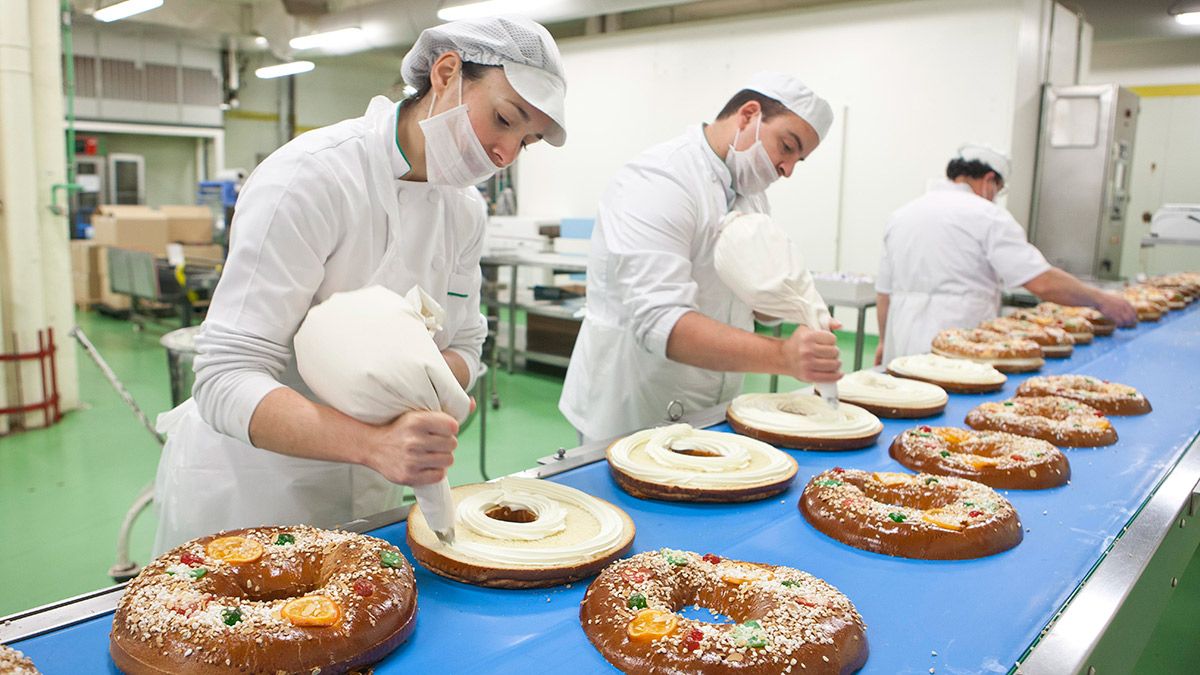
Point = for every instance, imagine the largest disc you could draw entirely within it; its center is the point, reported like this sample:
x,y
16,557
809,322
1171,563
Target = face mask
x,y
453,154
751,168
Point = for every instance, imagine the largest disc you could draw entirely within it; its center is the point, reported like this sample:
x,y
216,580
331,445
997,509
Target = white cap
x,y
999,161
522,47
797,97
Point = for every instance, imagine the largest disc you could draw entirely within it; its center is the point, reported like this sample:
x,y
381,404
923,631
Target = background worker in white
x,y
660,325
948,255
385,199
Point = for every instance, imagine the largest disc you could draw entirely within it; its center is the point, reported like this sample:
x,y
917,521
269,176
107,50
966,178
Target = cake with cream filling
x,y
682,463
803,421
523,533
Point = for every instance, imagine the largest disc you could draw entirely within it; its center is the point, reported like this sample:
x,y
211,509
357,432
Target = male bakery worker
x,y
948,254
661,326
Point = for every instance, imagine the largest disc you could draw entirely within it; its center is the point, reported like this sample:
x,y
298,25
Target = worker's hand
x,y
812,356
879,354
1118,309
414,449
834,324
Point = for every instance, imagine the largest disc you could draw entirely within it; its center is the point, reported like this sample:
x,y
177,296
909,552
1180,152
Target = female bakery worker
x,y
948,254
389,199
661,325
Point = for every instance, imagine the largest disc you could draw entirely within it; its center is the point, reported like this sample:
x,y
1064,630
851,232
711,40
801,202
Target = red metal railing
x,y
47,371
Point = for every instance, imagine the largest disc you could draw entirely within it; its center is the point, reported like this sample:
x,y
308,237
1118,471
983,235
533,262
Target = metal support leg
x,y
777,331
858,338
481,408
512,320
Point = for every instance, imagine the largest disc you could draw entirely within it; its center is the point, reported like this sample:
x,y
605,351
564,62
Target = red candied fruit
x,y
710,558
975,514
838,469
189,558
692,642
926,428
364,587
1019,458
635,575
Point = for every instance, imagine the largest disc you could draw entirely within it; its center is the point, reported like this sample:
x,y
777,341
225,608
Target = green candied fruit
x,y
675,558
930,480
829,482
944,453
756,641
231,616
968,503
1008,404
284,538
636,601
752,623
198,573
897,517
922,434
390,558
789,583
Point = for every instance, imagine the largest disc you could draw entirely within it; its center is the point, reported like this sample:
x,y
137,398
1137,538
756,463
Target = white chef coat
x,y
323,214
651,262
946,257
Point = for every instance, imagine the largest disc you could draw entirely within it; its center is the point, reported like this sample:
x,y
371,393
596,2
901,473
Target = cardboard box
x,y
85,274
189,224
135,227
206,252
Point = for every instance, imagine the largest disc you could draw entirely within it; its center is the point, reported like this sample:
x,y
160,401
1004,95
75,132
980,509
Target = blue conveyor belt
x,y
977,615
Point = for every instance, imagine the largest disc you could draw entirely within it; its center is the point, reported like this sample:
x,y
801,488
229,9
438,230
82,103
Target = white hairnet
x,y
999,161
524,49
797,97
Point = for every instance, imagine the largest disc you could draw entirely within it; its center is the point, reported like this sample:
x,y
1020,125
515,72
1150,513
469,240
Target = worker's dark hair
x,y
971,168
470,71
770,107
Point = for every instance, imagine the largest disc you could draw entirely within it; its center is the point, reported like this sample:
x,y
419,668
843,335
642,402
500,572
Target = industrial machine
x,y
1081,188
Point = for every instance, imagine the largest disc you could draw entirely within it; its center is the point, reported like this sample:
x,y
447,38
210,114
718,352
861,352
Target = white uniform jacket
x,y
651,262
946,258
324,213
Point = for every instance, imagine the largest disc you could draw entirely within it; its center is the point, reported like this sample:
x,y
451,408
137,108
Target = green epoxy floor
x,y
64,490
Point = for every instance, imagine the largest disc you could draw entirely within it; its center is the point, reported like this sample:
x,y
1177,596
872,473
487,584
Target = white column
x,y
49,138
21,260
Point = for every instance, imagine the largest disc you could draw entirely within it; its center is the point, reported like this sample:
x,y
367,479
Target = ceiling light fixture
x,y
473,10
1186,13
331,39
284,69
126,9
1188,18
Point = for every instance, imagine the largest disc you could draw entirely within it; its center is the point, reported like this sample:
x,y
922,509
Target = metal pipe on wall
x,y
21,261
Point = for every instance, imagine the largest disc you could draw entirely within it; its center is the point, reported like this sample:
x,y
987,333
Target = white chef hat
x,y
1000,162
796,96
522,47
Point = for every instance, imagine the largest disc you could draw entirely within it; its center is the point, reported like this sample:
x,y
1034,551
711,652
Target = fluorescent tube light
x,y
1188,18
342,37
284,69
126,9
472,10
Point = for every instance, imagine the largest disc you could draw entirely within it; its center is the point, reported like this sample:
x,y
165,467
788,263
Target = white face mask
x,y
751,168
453,154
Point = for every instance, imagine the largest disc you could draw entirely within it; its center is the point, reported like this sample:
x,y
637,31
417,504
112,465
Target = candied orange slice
x,y
311,610
743,573
979,461
652,624
951,435
938,519
236,550
891,477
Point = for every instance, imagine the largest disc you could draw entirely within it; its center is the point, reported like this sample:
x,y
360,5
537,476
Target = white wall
x,y
1146,62
330,93
170,164
917,79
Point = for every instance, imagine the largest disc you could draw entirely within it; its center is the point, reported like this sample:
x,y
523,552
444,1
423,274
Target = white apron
x,y
915,318
208,481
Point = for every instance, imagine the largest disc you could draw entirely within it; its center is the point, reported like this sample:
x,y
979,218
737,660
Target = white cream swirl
x,y
942,369
803,415
722,460
867,387
1023,362
571,527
